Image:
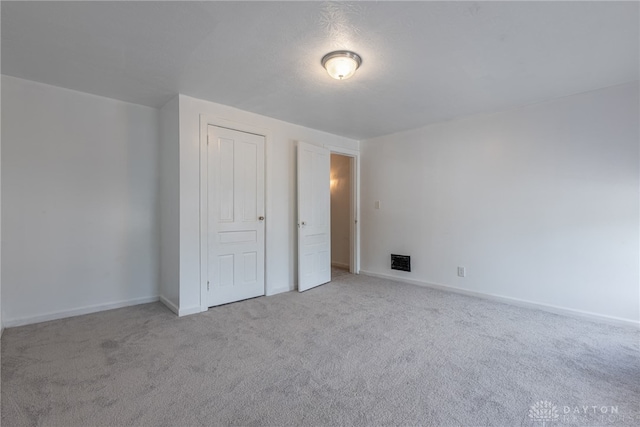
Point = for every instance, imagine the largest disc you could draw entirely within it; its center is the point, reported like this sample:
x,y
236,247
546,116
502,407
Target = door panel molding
x,y
234,204
314,219
207,120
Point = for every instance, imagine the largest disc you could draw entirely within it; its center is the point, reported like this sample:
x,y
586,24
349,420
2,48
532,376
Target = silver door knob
x,y
261,218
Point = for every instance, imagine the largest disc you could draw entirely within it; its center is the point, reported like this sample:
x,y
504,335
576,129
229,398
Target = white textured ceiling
x,y
423,62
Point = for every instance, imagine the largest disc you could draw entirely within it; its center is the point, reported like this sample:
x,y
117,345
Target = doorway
x,y
314,188
342,214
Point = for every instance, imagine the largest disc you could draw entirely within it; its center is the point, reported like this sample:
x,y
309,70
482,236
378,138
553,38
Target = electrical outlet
x,y
462,272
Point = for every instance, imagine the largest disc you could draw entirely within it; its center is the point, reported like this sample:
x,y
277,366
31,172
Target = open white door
x,y
314,228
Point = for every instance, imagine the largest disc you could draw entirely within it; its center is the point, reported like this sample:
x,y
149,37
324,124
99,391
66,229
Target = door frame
x,y
354,223
207,120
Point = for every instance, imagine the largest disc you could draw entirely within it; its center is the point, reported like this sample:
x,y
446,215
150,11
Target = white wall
x,y
280,193
170,204
539,204
79,202
340,209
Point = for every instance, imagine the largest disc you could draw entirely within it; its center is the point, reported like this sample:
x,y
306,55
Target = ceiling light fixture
x,y
341,64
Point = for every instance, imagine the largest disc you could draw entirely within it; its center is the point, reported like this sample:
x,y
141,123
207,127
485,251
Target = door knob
x,y
261,218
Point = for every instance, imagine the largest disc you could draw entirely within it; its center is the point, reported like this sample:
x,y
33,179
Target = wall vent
x,y
400,262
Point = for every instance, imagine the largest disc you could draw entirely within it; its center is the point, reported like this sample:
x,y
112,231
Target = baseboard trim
x,y
189,310
612,320
340,265
170,305
178,310
279,290
11,323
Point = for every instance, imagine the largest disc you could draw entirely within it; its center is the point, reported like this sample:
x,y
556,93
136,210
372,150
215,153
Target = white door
x,y
235,205
314,228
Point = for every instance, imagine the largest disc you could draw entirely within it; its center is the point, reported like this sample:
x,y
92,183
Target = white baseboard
x,y
612,320
189,310
279,290
178,310
10,323
340,265
170,305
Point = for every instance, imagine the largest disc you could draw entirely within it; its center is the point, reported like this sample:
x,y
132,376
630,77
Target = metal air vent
x,y
400,262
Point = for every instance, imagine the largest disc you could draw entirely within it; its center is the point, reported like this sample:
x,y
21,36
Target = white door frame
x,y
207,120
354,223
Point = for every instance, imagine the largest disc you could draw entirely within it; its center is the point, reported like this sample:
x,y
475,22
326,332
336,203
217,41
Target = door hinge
x,y
207,285
207,139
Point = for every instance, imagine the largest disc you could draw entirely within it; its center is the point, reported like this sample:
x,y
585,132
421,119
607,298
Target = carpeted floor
x,y
338,272
357,351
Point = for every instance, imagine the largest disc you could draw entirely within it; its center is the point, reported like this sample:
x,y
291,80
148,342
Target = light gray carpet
x,y
358,351
338,272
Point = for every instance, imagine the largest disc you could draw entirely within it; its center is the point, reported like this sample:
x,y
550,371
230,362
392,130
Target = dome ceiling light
x,y
341,64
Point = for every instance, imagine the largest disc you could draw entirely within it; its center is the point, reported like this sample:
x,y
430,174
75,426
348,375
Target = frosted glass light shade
x,y
341,64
